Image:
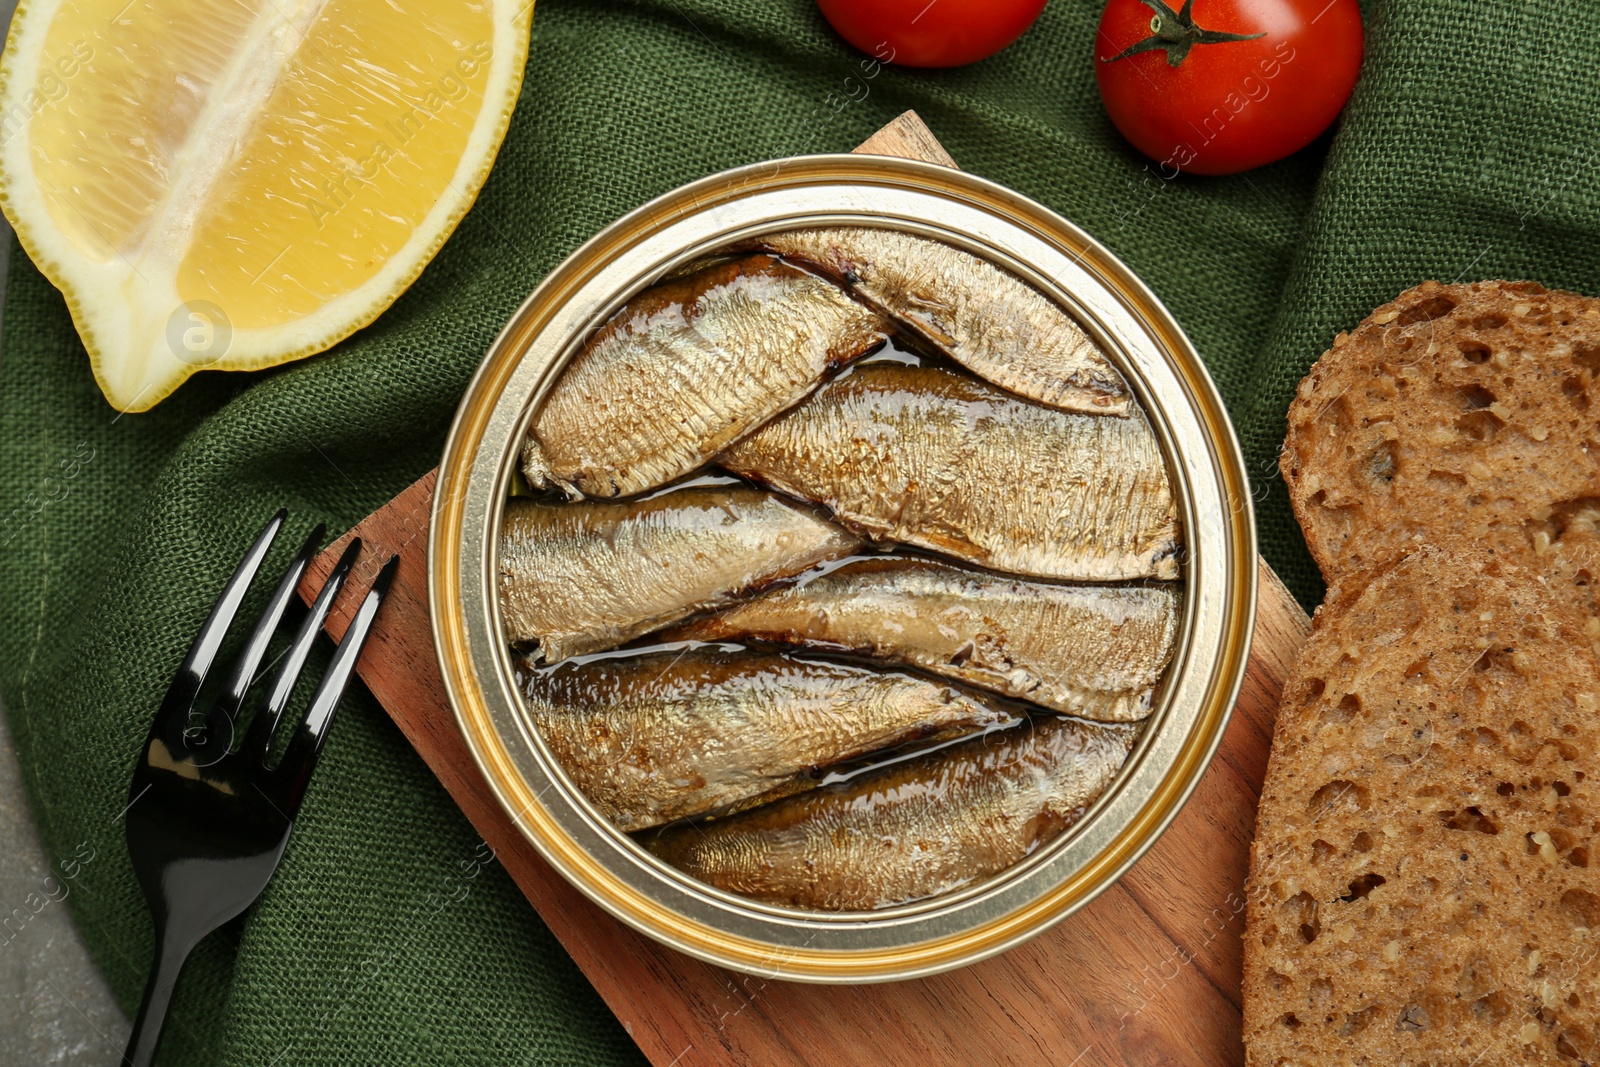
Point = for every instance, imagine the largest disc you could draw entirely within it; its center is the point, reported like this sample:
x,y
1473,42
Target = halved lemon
x,y
232,184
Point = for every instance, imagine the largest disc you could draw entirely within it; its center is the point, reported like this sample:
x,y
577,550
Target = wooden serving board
x,y
1146,974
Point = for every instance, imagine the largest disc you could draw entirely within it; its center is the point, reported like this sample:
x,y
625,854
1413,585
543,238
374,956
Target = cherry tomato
x,y
1220,86
931,33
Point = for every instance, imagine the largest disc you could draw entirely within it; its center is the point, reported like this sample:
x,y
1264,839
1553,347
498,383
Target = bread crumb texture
x,y
1456,410
1421,888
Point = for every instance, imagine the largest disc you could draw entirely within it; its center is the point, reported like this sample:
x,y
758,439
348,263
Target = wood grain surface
x,y
1146,974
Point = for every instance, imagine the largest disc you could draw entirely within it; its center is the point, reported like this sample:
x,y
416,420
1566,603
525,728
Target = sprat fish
x,y
908,830
934,458
581,577
666,735
688,367
1096,651
992,322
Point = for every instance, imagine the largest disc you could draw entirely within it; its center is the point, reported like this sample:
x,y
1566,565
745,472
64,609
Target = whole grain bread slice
x,y
1421,888
1456,410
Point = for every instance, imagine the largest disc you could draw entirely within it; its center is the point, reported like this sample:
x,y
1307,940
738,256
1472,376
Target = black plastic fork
x,y
207,821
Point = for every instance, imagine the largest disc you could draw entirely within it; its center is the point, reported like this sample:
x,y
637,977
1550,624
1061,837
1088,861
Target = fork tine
x,y
244,668
294,660
197,661
306,746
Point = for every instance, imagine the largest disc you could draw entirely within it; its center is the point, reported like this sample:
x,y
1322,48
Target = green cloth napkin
x,y
1469,151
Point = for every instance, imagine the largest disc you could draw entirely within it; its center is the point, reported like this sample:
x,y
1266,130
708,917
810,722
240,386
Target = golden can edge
x,y
1209,481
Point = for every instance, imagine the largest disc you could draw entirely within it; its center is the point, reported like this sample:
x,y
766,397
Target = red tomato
x,y
931,33
1190,93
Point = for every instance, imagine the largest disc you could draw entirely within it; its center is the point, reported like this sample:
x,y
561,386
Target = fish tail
x,y
537,471
534,467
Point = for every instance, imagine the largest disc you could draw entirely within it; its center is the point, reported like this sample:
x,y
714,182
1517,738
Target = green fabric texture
x,y
1469,151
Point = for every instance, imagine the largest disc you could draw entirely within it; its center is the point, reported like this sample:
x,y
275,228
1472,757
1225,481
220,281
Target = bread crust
x,y
1468,411
1421,889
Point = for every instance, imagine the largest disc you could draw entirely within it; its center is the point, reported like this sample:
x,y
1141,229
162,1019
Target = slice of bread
x,y
1456,410
1421,888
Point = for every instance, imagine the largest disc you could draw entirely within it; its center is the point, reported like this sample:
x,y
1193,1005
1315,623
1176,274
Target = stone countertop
x,y
54,1005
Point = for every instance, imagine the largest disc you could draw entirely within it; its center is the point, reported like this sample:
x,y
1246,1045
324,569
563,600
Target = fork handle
x,y
171,952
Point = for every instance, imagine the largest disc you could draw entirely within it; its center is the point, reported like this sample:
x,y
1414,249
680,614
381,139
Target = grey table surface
x,y
54,1006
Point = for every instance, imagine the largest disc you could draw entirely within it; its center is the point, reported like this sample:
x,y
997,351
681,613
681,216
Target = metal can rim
x,y
1180,400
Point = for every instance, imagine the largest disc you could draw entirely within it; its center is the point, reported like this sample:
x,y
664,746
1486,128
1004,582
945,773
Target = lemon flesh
x,y
232,184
